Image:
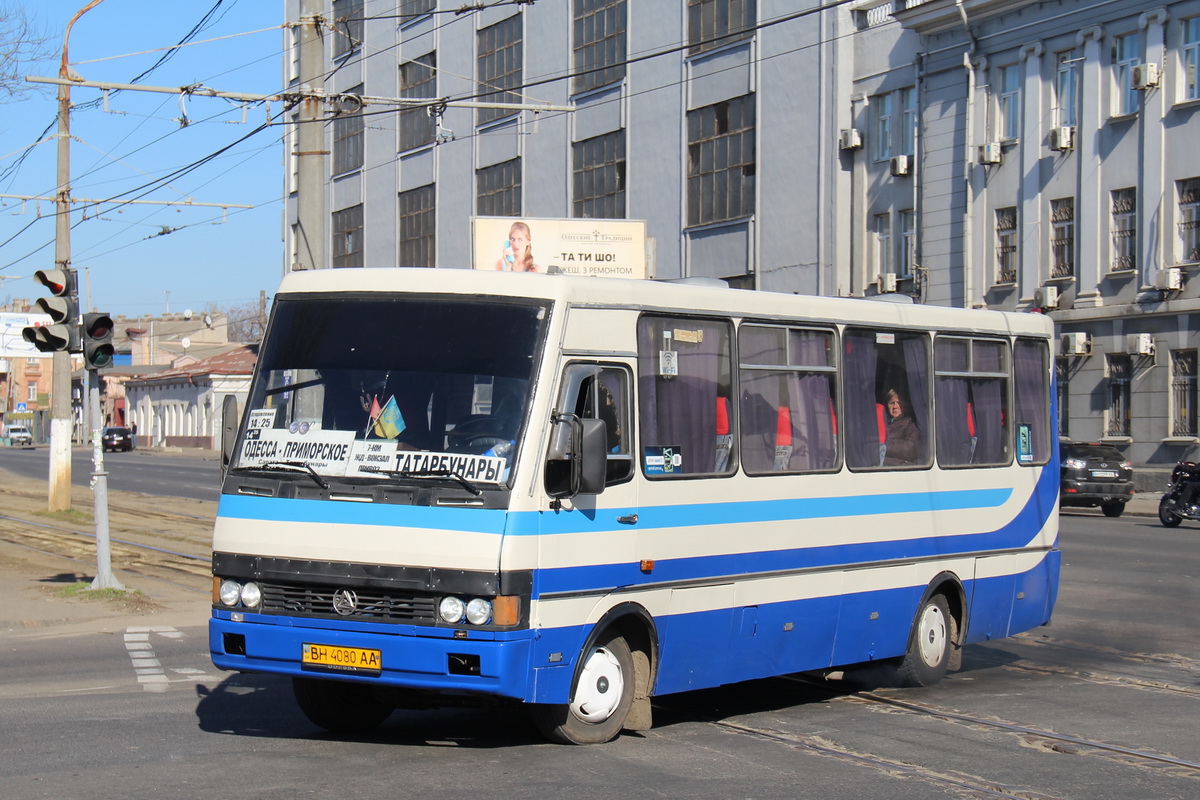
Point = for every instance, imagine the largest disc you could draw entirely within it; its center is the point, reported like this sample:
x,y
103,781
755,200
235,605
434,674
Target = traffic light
x,y
63,309
98,350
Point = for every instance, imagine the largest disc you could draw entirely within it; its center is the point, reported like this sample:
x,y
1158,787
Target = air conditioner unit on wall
x,y
1140,344
1076,344
1169,279
1145,76
901,165
1046,297
849,139
990,153
1062,138
887,282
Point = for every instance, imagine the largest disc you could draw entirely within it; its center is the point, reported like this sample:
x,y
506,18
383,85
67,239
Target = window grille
x,y
1119,418
1124,230
1183,393
1062,241
1006,245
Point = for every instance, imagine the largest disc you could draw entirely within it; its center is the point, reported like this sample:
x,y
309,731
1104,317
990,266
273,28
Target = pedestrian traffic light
x,y
98,350
63,309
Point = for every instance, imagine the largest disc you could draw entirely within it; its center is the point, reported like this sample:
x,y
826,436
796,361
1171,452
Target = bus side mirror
x,y
578,462
591,457
229,428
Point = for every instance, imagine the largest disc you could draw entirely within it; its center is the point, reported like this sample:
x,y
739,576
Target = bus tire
x,y
929,644
339,706
600,699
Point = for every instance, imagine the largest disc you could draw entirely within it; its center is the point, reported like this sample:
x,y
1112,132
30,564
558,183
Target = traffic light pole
x,y
104,575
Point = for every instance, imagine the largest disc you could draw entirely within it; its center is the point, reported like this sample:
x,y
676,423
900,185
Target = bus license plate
x,y
342,659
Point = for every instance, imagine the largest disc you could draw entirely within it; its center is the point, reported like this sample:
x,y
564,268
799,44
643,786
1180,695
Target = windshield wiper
x,y
292,466
453,475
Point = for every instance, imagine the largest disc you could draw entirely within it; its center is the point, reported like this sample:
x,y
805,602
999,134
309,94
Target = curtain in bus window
x,y
862,420
989,394
916,360
956,434
678,393
813,393
1031,392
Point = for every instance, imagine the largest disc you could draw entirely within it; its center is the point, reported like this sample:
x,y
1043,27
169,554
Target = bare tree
x,y
246,323
21,43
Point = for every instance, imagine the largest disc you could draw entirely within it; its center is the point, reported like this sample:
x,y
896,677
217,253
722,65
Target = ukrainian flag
x,y
390,423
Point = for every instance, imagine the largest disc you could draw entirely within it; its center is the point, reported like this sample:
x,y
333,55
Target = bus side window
x,y
685,380
886,387
593,391
972,398
788,409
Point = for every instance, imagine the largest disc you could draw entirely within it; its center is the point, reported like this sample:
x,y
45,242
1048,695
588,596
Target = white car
x,y
19,435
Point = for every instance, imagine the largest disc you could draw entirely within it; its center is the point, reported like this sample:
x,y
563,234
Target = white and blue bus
x,y
580,493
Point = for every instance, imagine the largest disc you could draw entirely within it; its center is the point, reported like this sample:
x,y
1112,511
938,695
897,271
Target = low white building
x,y
181,407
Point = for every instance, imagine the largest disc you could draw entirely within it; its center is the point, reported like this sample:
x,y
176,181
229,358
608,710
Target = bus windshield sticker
x,y
885,338
371,457
663,460
262,418
1024,444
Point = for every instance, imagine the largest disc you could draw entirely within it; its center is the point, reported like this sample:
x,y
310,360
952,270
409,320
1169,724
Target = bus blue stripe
x,y
278,509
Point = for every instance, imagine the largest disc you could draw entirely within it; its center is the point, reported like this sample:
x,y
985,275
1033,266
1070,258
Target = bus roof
x,y
659,296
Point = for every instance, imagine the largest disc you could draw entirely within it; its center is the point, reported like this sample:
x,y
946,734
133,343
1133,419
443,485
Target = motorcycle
x,y
1182,499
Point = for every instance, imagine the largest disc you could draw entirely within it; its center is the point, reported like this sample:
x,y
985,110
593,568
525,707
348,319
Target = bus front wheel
x,y
600,699
928,653
339,706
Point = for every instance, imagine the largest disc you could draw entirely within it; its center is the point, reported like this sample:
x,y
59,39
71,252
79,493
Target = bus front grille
x,y
370,604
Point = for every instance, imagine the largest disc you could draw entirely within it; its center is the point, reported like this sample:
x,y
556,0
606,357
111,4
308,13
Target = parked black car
x,y
116,439
1095,475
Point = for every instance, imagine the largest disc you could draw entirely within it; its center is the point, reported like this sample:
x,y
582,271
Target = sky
x,y
142,259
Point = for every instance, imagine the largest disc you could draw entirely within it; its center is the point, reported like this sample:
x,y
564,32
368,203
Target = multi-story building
x,y
983,153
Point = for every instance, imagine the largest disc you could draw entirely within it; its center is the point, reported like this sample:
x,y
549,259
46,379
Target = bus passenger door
x,y
596,533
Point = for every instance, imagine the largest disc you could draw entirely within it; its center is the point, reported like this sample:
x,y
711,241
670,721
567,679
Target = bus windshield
x,y
392,387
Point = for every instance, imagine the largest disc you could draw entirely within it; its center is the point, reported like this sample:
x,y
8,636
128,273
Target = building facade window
x,y
1191,59
908,243
1062,384
416,8
1062,238
1124,230
908,122
418,242
347,26
598,180
721,161
418,81
347,237
1066,89
1008,102
599,43
716,23
1189,221
498,189
499,58
881,148
1183,393
1119,371
31,393
348,139
883,244
1006,245
1125,57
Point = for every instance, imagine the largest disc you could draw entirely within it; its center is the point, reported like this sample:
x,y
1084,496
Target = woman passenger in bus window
x,y
903,447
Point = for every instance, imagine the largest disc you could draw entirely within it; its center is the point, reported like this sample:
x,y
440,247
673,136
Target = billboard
x,y
11,343
611,248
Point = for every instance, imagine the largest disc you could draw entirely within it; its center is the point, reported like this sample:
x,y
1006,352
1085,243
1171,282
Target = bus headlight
x,y
230,592
479,611
451,609
251,595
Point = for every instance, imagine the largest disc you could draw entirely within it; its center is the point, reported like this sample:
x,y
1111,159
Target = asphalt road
x,y
143,471
130,707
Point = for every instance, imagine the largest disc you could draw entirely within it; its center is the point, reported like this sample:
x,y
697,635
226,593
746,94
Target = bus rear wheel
x,y
339,706
600,699
928,653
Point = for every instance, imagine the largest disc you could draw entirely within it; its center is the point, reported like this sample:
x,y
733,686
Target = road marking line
x,y
147,667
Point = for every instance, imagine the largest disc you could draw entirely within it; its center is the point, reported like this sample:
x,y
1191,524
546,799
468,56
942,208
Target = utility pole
x,y
59,494
310,141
